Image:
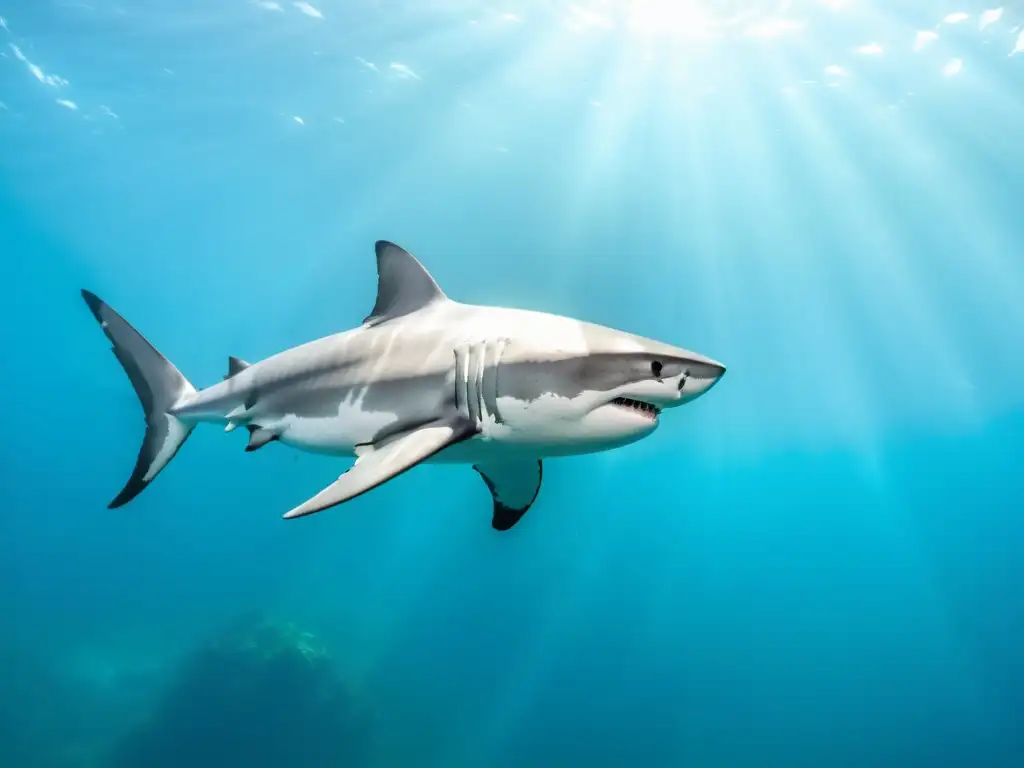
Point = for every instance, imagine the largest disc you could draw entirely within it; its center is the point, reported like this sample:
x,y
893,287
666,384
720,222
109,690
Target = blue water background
x,y
818,564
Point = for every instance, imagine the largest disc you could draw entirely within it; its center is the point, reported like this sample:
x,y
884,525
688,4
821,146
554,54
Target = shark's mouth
x,y
646,409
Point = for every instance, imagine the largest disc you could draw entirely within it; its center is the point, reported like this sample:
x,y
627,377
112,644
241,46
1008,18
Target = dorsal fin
x,y
403,284
235,365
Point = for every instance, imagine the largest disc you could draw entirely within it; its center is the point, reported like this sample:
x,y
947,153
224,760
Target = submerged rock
x,y
259,695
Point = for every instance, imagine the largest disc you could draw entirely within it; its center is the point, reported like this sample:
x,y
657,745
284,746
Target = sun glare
x,y
701,19
675,18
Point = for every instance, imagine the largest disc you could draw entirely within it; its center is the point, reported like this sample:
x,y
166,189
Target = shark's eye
x,y
656,369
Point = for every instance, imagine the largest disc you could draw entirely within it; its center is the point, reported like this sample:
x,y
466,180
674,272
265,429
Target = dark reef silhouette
x,y
257,695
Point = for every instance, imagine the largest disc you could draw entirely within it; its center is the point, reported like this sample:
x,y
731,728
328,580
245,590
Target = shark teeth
x,y
646,409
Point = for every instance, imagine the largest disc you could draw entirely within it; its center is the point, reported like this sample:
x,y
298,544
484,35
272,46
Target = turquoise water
x,y
817,564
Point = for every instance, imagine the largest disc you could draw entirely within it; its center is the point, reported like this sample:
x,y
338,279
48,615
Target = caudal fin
x,y
159,385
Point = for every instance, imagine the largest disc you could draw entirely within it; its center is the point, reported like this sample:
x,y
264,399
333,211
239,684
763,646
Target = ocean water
x,y
817,564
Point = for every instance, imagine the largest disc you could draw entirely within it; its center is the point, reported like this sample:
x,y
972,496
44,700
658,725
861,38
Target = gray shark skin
x,y
423,379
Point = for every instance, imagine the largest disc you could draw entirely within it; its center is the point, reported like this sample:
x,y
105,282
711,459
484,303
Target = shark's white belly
x,y
479,450
339,436
336,434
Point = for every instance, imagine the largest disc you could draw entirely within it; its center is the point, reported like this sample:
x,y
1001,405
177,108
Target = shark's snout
x,y
698,378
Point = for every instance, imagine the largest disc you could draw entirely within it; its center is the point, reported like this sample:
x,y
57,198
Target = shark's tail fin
x,y
159,385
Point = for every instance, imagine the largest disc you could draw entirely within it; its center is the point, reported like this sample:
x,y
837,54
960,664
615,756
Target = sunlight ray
x,y
692,187
794,282
536,659
937,169
884,276
624,88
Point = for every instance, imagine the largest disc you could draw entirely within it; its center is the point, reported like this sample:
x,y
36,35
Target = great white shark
x,y
423,379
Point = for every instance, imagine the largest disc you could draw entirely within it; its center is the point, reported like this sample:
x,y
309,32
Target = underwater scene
x,y
607,383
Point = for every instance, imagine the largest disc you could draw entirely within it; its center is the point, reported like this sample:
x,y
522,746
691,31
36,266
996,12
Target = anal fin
x,y
258,437
514,486
383,462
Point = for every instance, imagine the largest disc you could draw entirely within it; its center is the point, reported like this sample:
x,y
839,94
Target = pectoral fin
x,y
514,486
388,460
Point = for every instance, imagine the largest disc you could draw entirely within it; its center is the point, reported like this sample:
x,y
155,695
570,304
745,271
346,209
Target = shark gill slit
x,y
476,380
489,384
478,377
460,397
461,383
472,389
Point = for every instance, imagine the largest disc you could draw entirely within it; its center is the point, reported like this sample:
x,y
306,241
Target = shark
x,y
423,379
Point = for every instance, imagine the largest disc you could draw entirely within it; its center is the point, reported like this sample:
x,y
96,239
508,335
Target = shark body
x,y
423,379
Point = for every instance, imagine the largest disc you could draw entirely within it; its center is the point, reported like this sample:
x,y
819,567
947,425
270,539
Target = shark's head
x,y
629,391
651,383
613,394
